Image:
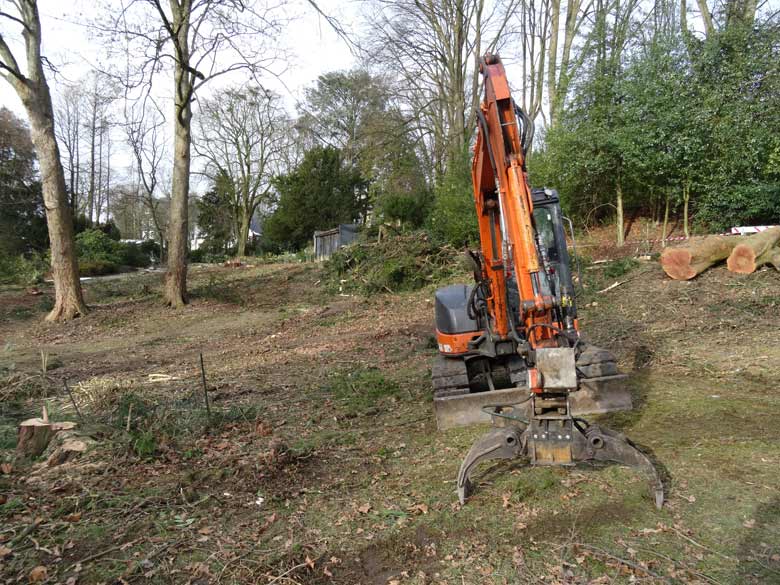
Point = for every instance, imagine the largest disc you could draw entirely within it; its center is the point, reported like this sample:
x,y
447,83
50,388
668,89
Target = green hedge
x,y
97,267
22,270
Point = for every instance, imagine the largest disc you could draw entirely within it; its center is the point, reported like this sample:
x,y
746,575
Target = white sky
x,y
313,46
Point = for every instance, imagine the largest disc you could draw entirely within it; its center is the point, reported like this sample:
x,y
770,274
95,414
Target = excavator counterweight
x,y
510,349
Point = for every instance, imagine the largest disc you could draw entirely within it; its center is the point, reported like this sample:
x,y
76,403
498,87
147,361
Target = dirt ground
x,y
319,461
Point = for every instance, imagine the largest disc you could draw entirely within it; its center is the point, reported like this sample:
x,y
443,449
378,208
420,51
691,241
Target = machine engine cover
x,y
451,310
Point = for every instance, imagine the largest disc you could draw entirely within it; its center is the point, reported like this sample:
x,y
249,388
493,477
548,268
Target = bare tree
x,y
68,128
733,13
146,137
201,39
242,138
535,34
434,47
562,65
97,99
33,90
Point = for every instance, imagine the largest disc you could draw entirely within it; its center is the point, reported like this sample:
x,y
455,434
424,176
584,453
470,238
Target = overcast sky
x,y
313,46
71,45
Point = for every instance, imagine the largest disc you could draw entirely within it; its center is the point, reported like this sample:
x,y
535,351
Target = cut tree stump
x,y
754,252
34,437
686,262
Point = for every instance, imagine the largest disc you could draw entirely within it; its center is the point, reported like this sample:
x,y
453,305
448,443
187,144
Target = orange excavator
x,y
510,349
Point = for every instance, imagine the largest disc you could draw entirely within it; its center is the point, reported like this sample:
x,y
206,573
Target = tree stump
x,y
686,262
34,437
754,252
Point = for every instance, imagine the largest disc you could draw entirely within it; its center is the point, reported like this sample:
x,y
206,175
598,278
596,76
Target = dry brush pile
x,y
394,264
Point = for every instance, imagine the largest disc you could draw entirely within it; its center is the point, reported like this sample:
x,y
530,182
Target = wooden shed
x,y
328,241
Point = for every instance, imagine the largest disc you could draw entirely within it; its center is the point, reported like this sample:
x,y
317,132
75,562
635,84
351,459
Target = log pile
x,y
743,255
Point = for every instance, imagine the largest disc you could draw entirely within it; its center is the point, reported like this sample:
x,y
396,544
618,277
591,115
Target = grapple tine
x,y
503,443
602,444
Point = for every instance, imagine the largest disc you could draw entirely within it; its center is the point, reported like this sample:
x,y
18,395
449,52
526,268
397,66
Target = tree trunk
x,y
552,57
93,131
68,299
666,222
176,276
754,251
706,17
685,263
771,256
619,220
686,201
243,232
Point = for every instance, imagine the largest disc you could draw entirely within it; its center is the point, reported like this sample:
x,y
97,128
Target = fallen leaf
x,y
749,523
204,530
38,574
75,517
199,570
6,468
71,580
309,562
5,551
364,508
505,499
327,572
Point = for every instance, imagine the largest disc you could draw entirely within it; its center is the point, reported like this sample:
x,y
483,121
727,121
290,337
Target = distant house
x,y
328,241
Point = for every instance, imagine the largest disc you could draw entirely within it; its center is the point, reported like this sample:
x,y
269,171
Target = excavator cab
x,y
548,219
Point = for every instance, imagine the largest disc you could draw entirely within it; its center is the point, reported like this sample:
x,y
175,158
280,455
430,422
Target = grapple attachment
x,y
557,441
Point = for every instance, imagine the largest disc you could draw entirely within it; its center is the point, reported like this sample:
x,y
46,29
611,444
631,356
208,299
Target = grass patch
x,y
361,391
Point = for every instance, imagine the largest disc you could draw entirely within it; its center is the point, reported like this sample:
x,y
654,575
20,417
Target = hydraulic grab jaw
x,y
551,435
556,440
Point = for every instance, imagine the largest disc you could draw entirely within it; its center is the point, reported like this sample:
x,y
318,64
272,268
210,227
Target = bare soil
x,y
321,463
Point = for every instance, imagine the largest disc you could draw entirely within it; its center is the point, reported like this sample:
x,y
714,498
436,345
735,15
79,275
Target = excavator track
x,y
450,377
460,391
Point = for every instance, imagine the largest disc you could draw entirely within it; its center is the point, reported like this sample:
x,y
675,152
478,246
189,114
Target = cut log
x,y
34,437
744,258
686,262
771,256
